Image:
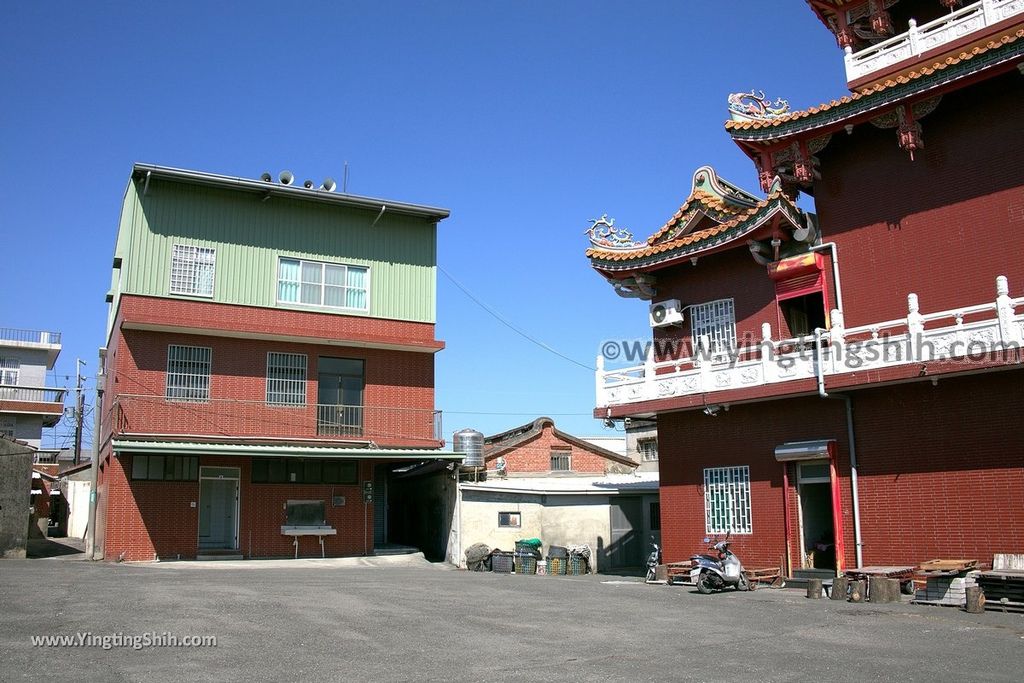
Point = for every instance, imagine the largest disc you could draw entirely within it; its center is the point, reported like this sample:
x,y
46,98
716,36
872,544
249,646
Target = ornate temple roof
x,y
1002,49
715,215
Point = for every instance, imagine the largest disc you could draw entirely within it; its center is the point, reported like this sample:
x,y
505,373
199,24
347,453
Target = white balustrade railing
x,y
968,333
926,37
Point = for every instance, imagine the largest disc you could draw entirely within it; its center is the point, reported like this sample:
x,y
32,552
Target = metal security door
x,y
627,526
218,509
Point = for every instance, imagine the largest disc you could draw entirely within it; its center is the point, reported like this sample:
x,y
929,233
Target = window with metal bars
x,y
7,426
714,328
286,379
561,461
648,449
188,373
192,270
727,500
9,370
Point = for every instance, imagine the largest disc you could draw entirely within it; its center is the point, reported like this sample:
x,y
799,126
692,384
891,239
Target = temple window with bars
x,y
713,325
727,500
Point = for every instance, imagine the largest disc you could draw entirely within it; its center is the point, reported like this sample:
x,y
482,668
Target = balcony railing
x,y
17,392
926,37
148,414
970,334
11,334
44,456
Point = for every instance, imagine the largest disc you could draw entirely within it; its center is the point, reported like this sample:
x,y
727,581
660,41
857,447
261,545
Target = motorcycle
x,y
715,572
653,560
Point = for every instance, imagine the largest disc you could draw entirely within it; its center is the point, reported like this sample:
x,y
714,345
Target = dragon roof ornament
x,y
754,106
603,234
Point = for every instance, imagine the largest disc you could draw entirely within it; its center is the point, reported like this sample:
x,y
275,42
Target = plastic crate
x,y
577,566
556,565
525,563
501,563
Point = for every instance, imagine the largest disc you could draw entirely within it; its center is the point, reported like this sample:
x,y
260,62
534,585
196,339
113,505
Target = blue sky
x,y
526,119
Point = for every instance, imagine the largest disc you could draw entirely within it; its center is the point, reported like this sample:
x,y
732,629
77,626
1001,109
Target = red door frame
x,y
837,519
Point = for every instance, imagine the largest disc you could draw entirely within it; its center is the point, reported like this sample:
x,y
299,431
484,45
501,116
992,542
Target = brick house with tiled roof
x,y
841,386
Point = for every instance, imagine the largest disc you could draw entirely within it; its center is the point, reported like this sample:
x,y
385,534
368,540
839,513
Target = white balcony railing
x,y
970,334
926,37
24,394
10,334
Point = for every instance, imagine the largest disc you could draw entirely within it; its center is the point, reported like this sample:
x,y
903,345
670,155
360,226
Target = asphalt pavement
x,y
409,620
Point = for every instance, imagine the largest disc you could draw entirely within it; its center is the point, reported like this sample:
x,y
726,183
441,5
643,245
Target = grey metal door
x,y
627,527
217,513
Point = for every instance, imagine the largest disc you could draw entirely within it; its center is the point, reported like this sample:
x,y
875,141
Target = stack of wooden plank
x,y
946,582
1004,585
679,572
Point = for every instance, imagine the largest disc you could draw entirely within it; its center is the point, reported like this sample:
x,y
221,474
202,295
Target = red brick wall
x,y
534,456
730,274
942,226
399,393
148,519
252,319
941,470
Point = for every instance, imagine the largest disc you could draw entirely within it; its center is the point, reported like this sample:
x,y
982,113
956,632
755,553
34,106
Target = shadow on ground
x,y
65,548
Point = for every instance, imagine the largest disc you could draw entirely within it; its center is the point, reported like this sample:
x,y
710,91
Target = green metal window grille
x,y
727,500
286,379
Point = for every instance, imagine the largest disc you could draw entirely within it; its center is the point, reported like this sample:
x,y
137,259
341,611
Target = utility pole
x,y
79,410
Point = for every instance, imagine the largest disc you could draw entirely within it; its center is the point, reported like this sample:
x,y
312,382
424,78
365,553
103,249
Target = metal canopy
x,y
805,450
281,451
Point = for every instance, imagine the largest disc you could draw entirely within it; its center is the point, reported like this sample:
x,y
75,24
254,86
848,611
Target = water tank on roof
x,y
470,442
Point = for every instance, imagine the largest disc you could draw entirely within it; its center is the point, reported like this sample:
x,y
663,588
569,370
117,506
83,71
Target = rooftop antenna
x,y
344,180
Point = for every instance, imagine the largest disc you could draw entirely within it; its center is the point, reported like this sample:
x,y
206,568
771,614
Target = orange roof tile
x,y
697,199
692,238
879,87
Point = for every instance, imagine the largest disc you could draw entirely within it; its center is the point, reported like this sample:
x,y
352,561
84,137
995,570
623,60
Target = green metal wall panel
x,y
249,236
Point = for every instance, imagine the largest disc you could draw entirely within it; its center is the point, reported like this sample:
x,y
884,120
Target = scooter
x,y
653,560
715,572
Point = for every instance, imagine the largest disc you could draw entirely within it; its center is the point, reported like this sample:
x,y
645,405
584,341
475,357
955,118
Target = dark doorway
x,y
340,383
816,523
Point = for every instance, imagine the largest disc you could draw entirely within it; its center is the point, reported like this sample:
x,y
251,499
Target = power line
x,y
509,325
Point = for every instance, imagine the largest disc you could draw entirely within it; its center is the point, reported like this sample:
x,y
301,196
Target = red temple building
x,y
843,388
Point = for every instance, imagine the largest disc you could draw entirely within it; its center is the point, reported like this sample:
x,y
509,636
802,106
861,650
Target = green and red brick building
x,y
269,361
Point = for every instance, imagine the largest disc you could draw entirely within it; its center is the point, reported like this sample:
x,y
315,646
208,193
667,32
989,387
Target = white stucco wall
x,y
559,520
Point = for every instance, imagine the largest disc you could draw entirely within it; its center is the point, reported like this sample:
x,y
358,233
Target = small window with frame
x,y
509,520
561,460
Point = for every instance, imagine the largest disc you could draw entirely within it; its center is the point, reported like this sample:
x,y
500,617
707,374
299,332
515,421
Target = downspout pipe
x,y
851,439
831,246
90,527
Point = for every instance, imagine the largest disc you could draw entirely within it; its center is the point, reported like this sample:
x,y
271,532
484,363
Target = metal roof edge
x,y
318,194
195,448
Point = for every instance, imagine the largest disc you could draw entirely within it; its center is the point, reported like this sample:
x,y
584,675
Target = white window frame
x,y
188,263
561,453
715,321
323,269
283,390
192,376
732,486
643,448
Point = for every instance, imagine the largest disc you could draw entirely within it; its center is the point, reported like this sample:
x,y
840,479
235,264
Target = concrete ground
x,y
405,619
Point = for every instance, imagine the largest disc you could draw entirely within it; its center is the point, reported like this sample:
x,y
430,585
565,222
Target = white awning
x,y
805,450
